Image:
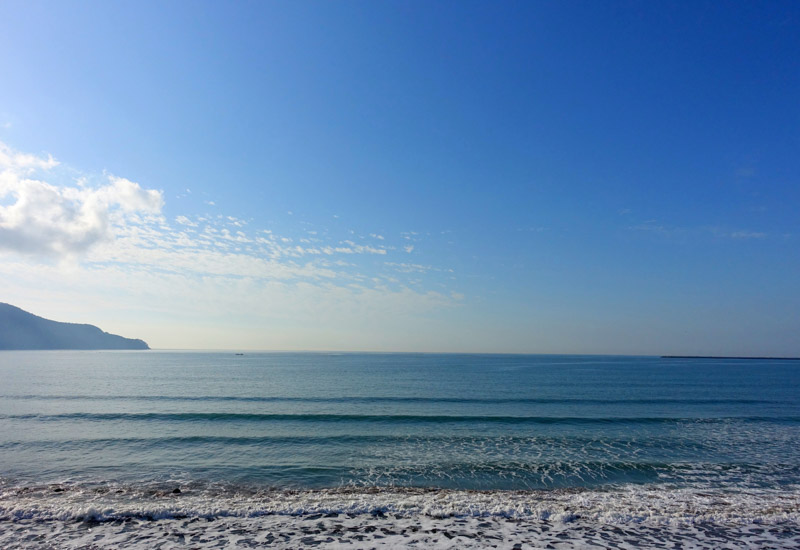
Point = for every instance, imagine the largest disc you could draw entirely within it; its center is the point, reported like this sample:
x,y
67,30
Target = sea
x,y
170,449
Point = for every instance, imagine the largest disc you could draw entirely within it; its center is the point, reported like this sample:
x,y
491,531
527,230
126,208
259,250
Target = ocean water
x,y
514,445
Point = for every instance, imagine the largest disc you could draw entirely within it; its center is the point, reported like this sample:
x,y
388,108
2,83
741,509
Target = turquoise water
x,y
317,421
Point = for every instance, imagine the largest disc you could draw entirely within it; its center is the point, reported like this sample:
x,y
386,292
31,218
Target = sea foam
x,y
110,516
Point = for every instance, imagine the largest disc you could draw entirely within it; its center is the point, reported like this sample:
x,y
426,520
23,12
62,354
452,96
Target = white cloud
x,y
23,162
409,248
410,268
183,220
130,196
37,217
652,226
354,248
117,251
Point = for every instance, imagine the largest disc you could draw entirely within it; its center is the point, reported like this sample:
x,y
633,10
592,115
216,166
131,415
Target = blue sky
x,y
546,177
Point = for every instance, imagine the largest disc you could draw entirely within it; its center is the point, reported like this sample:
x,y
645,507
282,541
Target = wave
x,y
628,503
399,400
402,520
394,419
576,442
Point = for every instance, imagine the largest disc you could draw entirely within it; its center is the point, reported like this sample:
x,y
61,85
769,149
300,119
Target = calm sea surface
x,y
714,438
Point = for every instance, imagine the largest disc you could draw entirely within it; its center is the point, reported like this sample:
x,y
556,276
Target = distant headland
x,y
20,330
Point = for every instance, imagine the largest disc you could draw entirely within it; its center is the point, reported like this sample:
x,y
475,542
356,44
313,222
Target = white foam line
x,y
624,505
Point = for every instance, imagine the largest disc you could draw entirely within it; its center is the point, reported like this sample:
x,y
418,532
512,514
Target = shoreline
x,y
201,515
625,504
387,531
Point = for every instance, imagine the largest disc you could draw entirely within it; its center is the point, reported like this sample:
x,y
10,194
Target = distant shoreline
x,y
729,357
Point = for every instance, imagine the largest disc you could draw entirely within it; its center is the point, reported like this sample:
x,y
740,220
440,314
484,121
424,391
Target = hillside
x,y
22,330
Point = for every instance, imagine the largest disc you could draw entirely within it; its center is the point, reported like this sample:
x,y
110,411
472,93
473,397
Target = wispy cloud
x,y
23,163
112,244
716,232
748,235
183,220
409,268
